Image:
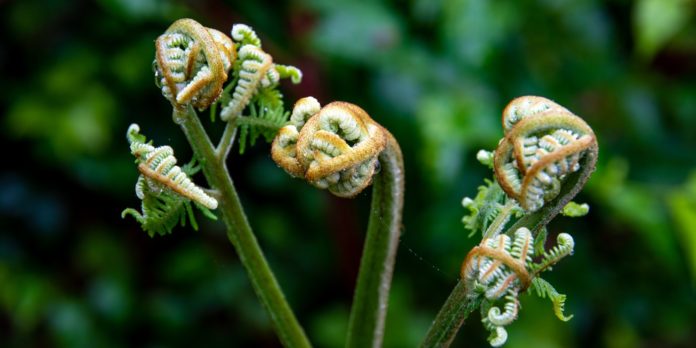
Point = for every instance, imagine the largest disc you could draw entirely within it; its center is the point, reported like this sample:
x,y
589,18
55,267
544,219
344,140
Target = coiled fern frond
x,y
165,189
334,147
543,144
192,62
500,268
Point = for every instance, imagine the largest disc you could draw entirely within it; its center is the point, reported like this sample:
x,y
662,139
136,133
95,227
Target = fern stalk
x,y
369,311
239,231
226,141
451,317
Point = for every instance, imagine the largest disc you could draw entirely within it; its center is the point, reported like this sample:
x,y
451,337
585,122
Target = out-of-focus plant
x,y
543,161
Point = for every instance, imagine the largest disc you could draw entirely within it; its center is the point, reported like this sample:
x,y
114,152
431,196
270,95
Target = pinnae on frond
x,y
564,247
158,167
334,147
245,35
254,71
255,64
192,62
543,143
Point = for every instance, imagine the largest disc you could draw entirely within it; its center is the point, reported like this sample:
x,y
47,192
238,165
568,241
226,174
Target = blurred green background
x,y
437,73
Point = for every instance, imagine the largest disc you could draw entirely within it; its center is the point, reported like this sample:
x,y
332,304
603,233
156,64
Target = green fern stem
x,y
503,218
239,231
456,309
226,141
369,311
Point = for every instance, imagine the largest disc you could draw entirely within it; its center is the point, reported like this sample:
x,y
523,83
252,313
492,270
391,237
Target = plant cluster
x,y
544,159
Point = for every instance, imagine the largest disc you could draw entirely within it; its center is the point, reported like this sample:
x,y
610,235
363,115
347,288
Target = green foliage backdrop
x,y
437,74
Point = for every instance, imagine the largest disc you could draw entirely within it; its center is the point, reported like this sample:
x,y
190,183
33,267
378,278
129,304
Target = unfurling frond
x,y
164,188
489,211
262,121
192,62
289,71
253,72
334,147
243,34
543,144
544,289
502,267
573,209
564,247
254,64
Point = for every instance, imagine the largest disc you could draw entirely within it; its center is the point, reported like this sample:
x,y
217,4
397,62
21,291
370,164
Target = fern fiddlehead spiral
x,y
335,148
544,159
339,147
192,62
543,143
500,268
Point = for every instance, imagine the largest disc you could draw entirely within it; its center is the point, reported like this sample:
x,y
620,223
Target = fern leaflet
x,y
544,289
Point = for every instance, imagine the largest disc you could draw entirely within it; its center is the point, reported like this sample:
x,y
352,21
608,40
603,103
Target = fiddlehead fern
x,y
545,158
336,147
339,148
543,144
501,268
191,66
164,188
192,62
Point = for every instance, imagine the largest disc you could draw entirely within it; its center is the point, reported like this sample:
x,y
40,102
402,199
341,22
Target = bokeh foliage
x,y
437,74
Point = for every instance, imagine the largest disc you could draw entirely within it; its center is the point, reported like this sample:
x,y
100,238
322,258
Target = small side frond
x,y
564,247
544,289
289,71
484,208
266,117
164,188
245,35
161,212
573,209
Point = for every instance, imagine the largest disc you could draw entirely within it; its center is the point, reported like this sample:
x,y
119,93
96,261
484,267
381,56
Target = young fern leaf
x,y
243,34
543,144
573,209
335,147
484,208
164,188
564,247
544,289
253,72
262,121
501,267
254,65
192,62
